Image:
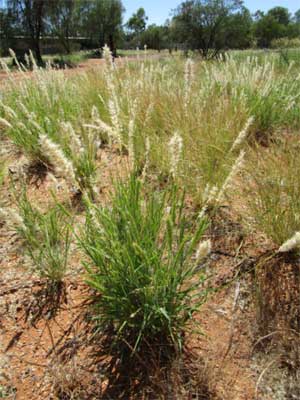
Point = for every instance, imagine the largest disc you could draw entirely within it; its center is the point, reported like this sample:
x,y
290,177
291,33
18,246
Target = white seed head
x,y
203,251
95,113
57,158
175,149
8,110
5,123
291,244
188,80
147,158
114,115
11,217
210,193
243,134
131,150
107,55
75,142
232,174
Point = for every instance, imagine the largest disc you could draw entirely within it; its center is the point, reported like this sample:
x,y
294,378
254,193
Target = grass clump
x,y
135,103
50,257
141,250
75,161
46,237
273,197
48,248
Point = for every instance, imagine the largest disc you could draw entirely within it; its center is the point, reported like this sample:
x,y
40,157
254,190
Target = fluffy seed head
x,y
11,217
203,251
188,79
147,158
5,123
232,174
114,115
243,134
175,148
131,150
291,244
57,158
71,135
107,55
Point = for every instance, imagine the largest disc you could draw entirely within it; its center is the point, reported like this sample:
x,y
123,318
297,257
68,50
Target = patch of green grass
x,y
141,249
46,237
141,52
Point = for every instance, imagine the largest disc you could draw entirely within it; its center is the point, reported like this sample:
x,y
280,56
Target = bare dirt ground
x,y
90,64
48,348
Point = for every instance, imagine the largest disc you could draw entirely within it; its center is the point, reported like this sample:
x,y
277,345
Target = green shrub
x,y
286,43
141,264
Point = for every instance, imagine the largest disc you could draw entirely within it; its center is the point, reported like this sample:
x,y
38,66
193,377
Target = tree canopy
x,y
205,26
201,24
137,23
98,20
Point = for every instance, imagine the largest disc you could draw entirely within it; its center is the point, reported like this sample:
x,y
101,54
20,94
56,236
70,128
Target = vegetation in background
x,y
98,21
207,27
208,105
201,25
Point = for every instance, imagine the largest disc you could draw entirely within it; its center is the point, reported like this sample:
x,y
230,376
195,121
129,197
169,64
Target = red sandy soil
x,y
87,65
49,353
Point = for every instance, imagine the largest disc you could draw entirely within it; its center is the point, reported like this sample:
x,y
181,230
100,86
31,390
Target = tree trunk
x,y
34,16
112,45
38,30
38,53
67,41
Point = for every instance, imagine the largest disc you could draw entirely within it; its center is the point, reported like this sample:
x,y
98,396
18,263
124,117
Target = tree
x,y
137,23
156,37
6,31
280,14
297,17
267,29
62,21
200,24
276,24
101,21
258,15
30,15
238,33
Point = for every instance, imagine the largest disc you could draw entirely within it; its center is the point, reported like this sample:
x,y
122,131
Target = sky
x,y
159,10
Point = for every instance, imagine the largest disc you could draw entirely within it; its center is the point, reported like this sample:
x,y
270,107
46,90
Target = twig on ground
x,y
234,307
261,376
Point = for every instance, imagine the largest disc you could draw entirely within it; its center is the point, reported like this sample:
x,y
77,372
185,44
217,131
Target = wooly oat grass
x,y
139,103
141,252
271,189
46,236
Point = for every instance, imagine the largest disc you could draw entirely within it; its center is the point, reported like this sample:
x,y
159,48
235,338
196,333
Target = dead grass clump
x,y
278,294
36,172
46,302
278,321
